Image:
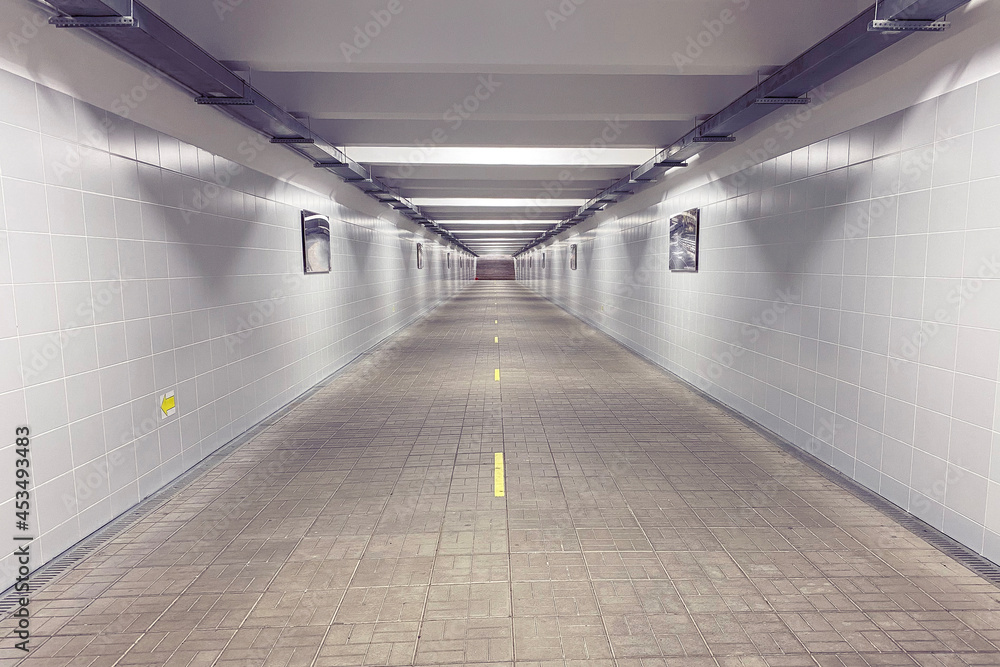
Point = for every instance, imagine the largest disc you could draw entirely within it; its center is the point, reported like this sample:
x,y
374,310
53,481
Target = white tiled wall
x,y
132,265
848,299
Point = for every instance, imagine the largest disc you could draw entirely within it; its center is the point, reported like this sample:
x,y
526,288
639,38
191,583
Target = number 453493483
x,y
22,473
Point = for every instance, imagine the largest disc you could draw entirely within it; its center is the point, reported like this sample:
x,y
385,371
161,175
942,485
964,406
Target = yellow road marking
x,y
496,321
498,488
496,339
496,375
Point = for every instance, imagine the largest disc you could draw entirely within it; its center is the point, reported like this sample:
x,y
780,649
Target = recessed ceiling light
x,y
584,156
497,202
494,223
495,232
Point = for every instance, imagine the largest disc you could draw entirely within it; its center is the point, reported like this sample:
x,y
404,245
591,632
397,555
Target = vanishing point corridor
x,y
500,484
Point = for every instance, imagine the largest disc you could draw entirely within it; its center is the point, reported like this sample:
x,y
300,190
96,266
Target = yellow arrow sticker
x,y
168,405
498,489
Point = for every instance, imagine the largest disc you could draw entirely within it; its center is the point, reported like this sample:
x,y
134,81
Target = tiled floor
x,y
641,526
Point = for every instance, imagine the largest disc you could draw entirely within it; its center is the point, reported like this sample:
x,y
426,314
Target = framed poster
x,y
315,242
572,257
684,241
420,255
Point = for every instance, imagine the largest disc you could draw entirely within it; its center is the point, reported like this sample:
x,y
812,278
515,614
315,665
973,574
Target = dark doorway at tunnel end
x,y
495,267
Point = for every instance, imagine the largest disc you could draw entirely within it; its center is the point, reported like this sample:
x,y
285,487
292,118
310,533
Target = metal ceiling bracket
x,y
907,25
901,19
782,100
225,101
714,139
92,21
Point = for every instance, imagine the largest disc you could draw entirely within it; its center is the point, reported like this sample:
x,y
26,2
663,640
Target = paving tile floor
x,y
641,527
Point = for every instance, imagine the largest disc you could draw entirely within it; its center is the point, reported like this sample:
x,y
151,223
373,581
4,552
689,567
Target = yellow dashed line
x,y
496,339
498,488
496,375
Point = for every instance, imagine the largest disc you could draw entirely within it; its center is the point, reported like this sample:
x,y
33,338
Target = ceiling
x,y
605,82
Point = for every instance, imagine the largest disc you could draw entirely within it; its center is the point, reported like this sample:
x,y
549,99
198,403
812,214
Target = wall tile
x,y
18,104
21,153
956,113
46,406
8,317
974,400
36,308
985,153
918,125
81,396
988,102
978,352
56,113
24,202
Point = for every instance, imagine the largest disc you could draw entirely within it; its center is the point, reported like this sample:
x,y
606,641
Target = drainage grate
x,y
55,568
960,553
980,565
65,561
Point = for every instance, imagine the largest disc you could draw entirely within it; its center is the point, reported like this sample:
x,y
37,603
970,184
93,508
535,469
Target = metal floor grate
x,y
960,553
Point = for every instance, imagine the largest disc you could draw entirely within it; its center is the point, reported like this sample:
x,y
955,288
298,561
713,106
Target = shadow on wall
x,y
495,267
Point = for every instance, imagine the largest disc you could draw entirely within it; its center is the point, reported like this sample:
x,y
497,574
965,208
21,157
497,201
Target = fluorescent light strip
x,y
583,156
491,232
497,202
534,223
